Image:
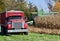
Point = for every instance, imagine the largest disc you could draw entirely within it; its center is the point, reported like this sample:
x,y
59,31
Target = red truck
x,y
13,22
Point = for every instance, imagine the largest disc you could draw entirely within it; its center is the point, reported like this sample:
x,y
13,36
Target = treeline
x,y
14,5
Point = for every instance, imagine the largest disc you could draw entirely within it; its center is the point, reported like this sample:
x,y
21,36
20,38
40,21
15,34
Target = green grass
x,y
30,37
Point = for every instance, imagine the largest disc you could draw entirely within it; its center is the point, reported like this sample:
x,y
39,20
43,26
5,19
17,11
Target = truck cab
x,y
13,22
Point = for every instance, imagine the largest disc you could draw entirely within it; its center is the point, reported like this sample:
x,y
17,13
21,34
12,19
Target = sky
x,y
42,4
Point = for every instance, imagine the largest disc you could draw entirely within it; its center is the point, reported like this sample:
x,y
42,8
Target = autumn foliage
x,y
57,7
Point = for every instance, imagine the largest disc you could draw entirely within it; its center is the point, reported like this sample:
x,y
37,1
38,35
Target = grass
x,y
30,37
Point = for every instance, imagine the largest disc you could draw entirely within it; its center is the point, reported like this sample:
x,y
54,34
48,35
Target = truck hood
x,y
17,20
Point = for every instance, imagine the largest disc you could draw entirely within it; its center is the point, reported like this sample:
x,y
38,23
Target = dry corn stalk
x,y
50,21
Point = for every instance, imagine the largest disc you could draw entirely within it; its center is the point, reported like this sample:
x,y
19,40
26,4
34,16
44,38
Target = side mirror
x,y
26,19
30,23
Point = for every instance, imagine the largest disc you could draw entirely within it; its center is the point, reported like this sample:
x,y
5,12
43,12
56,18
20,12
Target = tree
x,y
2,6
35,9
57,7
11,5
57,0
50,7
32,8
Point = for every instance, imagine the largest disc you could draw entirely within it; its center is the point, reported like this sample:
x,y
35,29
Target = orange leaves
x,y
57,7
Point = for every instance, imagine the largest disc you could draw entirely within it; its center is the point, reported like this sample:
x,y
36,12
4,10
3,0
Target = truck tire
x,y
25,33
3,30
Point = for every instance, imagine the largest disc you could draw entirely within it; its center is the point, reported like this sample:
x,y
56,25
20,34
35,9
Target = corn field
x,y
49,21
49,24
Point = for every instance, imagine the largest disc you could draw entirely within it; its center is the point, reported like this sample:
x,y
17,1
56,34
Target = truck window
x,y
15,17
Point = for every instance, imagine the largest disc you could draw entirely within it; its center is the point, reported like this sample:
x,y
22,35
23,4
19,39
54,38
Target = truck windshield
x,y
15,17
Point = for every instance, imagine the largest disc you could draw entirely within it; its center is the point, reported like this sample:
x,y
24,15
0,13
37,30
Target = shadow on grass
x,y
9,34
0,33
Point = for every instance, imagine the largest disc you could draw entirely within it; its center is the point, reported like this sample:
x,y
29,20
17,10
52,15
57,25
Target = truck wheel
x,y
3,30
25,33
